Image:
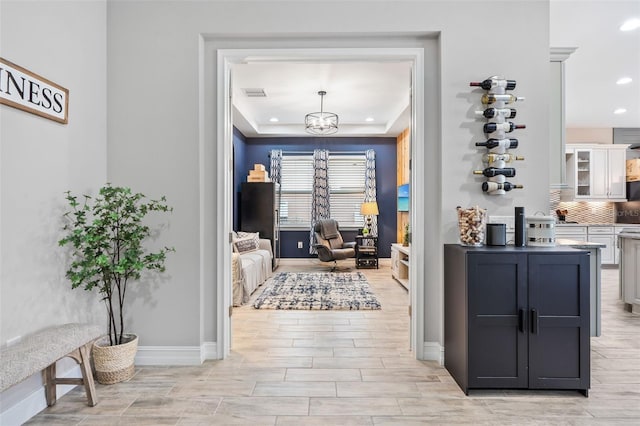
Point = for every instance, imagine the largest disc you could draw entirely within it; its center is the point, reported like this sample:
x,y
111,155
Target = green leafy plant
x,y
106,234
406,237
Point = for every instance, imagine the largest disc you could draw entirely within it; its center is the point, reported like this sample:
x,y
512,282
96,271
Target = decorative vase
x,y
114,364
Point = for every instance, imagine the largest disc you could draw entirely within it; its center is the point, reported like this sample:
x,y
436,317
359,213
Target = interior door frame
x,y
224,169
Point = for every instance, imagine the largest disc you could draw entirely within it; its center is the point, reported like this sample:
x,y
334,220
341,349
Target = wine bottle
x,y
490,83
496,186
499,143
498,112
495,171
507,127
490,98
507,158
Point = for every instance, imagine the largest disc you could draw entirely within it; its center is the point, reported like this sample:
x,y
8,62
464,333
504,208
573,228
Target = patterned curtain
x,y
275,168
320,192
370,188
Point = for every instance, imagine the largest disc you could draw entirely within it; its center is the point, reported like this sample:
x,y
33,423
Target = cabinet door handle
x,y
534,321
521,319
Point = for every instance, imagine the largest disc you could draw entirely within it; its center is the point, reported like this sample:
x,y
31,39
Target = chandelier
x,y
321,123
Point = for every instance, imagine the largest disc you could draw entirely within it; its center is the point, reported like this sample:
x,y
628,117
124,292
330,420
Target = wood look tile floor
x,y
355,368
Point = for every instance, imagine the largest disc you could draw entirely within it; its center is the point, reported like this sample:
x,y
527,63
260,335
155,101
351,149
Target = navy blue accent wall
x,y
239,144
257,152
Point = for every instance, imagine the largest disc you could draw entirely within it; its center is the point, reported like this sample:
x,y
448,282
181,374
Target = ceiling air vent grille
x,y
254,93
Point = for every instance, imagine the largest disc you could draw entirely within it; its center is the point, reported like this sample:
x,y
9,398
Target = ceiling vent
x,y
254,93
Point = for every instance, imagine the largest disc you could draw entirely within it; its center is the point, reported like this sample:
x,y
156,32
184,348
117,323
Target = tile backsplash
x,y
583,211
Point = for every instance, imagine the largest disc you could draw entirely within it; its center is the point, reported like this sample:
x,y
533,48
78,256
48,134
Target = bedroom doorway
x,y
226,58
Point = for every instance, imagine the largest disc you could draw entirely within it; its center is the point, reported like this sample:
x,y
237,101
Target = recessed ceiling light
x,y
624,80
369,119
274,119
630,25
620,111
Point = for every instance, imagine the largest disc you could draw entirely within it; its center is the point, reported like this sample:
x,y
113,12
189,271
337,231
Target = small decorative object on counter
x,y
541,231
496,128
519,221
496,234
562,214
472,224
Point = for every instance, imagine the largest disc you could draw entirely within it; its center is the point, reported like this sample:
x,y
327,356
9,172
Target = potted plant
x,y
406,237
106,236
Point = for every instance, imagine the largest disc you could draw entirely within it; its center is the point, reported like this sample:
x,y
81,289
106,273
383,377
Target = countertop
x,y
581,244
622,225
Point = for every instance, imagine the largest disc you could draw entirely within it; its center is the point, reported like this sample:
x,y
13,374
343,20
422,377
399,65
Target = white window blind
x,y
296,183
346,186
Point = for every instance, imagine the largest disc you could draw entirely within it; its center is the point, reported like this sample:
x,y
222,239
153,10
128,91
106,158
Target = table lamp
x,y
369,209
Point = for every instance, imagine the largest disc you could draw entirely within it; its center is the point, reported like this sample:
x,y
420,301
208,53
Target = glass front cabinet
x,y
597,172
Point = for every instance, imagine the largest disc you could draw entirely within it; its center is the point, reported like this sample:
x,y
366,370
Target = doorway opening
x,y
224,127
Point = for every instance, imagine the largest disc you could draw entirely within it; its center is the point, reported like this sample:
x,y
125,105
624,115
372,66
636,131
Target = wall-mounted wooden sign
x,y
25,90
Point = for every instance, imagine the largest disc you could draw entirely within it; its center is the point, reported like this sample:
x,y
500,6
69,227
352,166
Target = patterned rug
x,y
317,291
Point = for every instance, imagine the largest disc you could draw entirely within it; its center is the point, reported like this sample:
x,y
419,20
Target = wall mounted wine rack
x,y
497,112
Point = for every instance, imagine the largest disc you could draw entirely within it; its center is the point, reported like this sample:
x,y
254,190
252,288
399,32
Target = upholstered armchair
x,y
330,245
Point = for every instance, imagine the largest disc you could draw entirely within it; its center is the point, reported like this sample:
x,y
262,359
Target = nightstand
x,y
366,252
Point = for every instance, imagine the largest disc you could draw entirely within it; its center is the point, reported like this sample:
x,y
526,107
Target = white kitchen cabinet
x,y
572,232
617,173
597,172
616,253
630,270
618,229
602,234
608,253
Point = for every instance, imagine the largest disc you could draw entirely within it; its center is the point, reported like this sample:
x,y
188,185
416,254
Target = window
x,y
296,183
346,187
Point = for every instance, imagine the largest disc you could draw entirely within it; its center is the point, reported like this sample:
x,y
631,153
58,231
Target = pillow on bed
x,y
246,241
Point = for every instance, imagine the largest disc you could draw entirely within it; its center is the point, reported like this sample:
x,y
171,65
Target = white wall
x,y
590,135
40,159
154,128
155,124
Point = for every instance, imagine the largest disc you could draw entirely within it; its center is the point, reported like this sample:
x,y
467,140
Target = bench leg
x,y
81,356
50,384
87,376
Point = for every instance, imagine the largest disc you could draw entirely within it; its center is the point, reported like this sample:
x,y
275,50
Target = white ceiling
x,y
604,55
355,91
358,90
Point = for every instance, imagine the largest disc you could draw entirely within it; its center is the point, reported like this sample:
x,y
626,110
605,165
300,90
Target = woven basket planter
x,y
114,364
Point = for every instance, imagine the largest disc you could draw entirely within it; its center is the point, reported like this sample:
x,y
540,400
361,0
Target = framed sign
x,y
25,90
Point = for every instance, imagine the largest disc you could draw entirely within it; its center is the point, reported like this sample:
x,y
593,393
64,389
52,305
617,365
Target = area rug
x,y
317,291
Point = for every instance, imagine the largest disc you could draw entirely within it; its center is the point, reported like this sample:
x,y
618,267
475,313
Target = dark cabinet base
x,y
517,318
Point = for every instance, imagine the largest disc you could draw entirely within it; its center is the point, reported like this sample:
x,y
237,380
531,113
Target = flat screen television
x,y
403,198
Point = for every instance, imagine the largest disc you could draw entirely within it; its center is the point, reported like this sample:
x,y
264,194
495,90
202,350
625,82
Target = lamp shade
x,y
369,209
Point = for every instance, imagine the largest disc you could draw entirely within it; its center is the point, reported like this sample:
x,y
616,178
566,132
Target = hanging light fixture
x,y
321,123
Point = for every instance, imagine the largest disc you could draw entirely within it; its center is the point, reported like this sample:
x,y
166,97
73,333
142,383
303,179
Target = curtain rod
x,y
330,152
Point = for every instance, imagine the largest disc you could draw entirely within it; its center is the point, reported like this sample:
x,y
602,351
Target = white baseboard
x,y
433,351
209,351
33,403
168,355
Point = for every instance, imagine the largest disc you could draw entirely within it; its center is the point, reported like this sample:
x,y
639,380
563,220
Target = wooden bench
x,y
41,350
